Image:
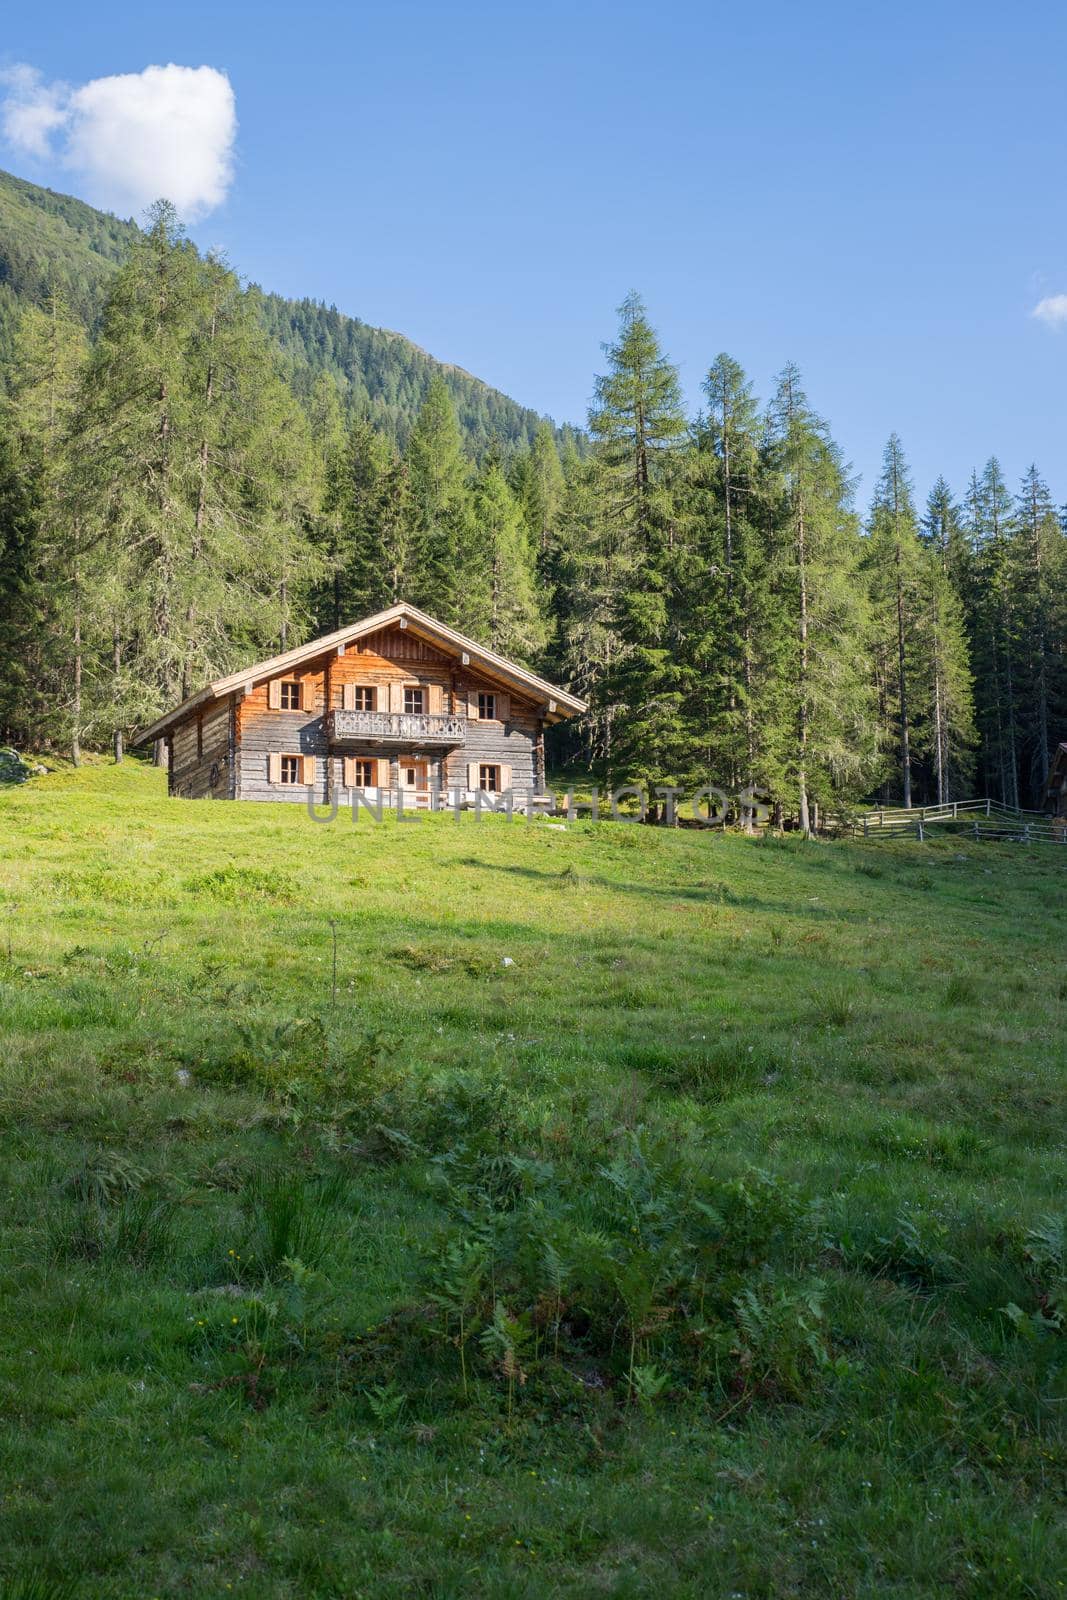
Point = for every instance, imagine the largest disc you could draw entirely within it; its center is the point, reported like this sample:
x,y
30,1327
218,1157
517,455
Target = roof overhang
x,y
558,704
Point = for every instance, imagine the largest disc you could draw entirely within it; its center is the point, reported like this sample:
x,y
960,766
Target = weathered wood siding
x,y
509,743
201,755
386,662
262,733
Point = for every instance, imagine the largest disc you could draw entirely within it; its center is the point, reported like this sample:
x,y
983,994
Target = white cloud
x,y
32,110
166,132
1052,311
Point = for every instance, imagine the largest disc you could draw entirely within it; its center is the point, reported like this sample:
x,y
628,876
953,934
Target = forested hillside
x,y
54,242
168,510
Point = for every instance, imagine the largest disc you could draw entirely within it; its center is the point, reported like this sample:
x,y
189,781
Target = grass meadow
x,y
505,1210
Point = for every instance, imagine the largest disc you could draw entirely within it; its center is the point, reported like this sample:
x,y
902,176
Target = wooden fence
x,y
975,819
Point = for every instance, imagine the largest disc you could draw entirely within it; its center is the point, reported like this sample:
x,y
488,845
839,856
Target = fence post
x,y
919,829
865,827
987,803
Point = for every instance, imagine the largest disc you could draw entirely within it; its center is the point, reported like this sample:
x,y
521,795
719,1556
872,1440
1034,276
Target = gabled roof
x,y
559,703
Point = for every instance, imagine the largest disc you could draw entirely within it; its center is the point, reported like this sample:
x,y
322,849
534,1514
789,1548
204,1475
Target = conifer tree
x,y
193,467
893,563
22,598
1038,571
328,441
943,697
638,430
727,600
504,607
539,487
994,622
56,587
826,739
439,472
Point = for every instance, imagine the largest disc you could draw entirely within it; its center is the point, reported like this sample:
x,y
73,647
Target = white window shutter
x,y
503,709
349,763
437,696
472,704
396,697
274,766
307,694
309,769
472,775
274,694
348,696
505,777
383,772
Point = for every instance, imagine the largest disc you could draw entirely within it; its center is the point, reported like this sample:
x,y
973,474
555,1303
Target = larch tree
x,y
439,474
638,430
727,594
505,608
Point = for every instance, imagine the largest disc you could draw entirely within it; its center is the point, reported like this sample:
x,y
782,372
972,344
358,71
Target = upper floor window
x,y
362,698
290,767
414,701
290,698
486,707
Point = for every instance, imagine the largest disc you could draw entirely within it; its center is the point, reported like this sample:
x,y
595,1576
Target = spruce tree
x,y
193,466
826,736
23,601
893,564
57,588
1037,571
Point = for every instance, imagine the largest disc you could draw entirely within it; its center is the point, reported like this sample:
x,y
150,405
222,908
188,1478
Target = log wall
x,y
385,661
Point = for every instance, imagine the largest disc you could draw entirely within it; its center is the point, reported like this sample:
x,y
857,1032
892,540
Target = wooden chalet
x,y
397,707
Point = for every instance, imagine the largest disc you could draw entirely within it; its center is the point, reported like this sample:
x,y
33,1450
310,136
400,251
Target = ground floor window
x,y
290,769
489,779
414,774
362,774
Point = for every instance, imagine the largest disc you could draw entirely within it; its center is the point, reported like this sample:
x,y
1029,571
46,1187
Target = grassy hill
x,y
610,1211
48,238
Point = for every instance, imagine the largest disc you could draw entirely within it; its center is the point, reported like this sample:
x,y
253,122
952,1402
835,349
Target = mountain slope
x,y
48,238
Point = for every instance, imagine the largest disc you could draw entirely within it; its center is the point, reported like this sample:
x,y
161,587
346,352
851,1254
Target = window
x,y
362,698
290,698
362,774
413,702
414,774
486,707
290,767
489,779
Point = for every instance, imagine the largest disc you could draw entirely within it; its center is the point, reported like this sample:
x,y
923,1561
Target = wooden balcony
x,y
393,730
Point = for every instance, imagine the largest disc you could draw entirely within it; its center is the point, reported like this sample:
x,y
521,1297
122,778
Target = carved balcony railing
x,y
421,729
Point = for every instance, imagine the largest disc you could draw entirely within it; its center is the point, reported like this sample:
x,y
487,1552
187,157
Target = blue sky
x,y
874,193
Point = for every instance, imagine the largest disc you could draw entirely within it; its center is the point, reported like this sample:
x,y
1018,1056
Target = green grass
x,y
651,1212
